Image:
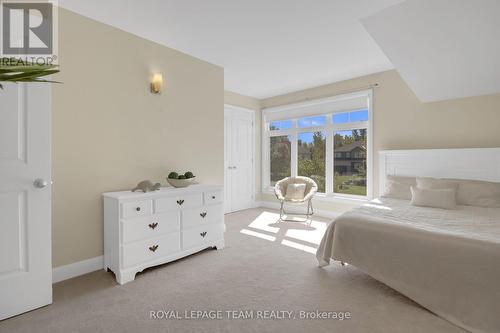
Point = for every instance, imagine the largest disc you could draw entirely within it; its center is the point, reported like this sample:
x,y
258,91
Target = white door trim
x,y
252,113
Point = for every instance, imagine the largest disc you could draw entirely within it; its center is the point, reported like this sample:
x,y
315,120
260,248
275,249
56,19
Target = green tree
x,y
280,157
311,159
359,134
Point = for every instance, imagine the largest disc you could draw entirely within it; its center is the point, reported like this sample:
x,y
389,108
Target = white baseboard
x,y
256,204
75,269
297,209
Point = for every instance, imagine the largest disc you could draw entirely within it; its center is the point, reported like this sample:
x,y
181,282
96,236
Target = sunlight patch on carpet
x,y
298,246
263,220
304,236
258,235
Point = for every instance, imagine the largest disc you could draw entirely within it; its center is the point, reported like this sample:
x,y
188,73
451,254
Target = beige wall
x,y
251,104
402,122
110,132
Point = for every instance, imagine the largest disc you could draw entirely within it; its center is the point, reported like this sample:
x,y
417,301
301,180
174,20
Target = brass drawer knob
x,y
153,225
153,248
180,202
203,234
203,214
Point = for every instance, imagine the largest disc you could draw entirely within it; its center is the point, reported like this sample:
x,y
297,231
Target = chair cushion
x,y
295,191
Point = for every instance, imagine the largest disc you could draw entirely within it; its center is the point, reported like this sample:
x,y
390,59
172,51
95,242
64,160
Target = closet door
x,y
239,159
227,163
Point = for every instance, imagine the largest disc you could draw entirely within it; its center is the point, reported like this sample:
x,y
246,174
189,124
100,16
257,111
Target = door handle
x,y
40,183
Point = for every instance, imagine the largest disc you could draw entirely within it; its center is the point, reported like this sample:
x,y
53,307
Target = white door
x,y
239,158
25,225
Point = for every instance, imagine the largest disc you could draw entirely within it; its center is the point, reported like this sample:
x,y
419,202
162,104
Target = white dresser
x,y
147,229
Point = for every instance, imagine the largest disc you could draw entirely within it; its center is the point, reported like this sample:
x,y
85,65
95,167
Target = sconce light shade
x,y
156,83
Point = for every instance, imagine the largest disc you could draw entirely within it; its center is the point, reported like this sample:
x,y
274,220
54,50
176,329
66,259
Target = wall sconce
x,y
156,83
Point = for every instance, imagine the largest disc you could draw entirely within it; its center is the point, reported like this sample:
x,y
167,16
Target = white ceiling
x,y
267,47
443,49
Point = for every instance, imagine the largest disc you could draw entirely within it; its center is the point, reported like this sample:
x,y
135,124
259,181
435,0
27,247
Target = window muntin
x,y
280,125
311,157
280,157
350,163
311,121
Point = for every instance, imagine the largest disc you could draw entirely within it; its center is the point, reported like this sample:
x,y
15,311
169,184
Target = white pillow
x,y
295,191
478,193
439,198
398,187
436,183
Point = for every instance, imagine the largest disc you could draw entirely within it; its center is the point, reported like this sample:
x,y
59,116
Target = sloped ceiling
x,y
443,49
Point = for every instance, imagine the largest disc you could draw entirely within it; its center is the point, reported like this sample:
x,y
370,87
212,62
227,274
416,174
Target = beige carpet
x,y
265,266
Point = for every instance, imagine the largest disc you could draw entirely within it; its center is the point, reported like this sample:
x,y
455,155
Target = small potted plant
x,y
180,180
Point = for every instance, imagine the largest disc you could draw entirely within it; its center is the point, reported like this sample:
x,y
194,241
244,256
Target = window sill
x,y
329,198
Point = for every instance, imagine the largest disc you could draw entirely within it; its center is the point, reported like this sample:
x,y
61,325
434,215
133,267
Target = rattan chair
x,y
310,191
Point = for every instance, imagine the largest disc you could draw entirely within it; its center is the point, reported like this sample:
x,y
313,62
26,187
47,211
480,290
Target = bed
x,y
448,261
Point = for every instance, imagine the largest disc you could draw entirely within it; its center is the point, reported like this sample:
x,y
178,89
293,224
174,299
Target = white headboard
x,y
474,163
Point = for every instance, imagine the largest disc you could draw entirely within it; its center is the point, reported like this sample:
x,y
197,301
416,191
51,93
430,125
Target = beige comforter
x,y
446,260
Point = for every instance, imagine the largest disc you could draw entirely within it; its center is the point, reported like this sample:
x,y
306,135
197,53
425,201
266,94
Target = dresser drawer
x,y
196,237
151,226
213,197
137,209
151,249
175,202
201,216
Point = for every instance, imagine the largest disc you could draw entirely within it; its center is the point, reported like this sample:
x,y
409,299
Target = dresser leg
x,y
219,245
123,278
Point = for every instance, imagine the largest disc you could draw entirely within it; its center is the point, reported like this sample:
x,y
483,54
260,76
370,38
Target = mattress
x,y
446,260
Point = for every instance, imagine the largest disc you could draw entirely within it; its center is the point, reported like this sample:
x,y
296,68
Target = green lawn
x,y
349,189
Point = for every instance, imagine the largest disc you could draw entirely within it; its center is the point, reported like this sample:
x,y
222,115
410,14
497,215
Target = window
x,y
327,140
280,125
280,158
311,121
349,117
340,118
